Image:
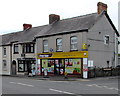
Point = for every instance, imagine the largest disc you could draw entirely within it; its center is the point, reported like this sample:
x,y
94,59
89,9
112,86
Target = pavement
x,y
62,78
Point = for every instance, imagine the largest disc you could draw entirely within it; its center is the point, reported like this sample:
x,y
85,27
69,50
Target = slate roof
x,y
70,24
22,36
61,26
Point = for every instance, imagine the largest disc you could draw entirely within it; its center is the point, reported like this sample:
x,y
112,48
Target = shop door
x,y
59,67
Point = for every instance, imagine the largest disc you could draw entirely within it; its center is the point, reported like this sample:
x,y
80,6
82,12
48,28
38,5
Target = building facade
x,y
63,46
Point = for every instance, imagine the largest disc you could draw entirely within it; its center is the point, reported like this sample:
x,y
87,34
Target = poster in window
x,y
21,67
51,66
66,62
56,63
50,63
44,63
69,70
70,62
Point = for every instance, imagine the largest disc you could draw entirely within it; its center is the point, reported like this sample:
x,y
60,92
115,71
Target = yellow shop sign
x,y
75,54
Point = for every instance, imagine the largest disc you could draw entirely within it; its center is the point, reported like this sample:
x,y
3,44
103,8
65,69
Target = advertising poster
x,y
85,68
38,69
69,70
73,66
45,63
77,66
51,66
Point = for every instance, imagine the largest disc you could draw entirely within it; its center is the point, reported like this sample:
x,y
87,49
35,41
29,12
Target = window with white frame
x,y
45,45
73,43
59,44
4,65
106,40
4,51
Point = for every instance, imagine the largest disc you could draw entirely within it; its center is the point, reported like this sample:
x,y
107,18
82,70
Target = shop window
x,y
24,66
4,51
45,45
4,65
106,40
15,48
59,44
73,66
21,67
48,64
73,43
28,48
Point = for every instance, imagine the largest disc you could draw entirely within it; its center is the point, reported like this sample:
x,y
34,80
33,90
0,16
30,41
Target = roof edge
x,y
74,31
116,31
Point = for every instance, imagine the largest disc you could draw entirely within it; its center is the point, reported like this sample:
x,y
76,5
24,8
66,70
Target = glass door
x,y
59,67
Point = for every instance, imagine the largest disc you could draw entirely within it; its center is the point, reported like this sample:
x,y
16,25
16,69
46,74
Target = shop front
x,y
26,64
58,63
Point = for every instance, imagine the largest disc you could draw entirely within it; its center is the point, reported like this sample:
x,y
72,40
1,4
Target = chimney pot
x,y
27,26
102,7
53,18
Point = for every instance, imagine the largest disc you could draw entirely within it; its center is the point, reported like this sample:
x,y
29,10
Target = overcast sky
x,y
14,13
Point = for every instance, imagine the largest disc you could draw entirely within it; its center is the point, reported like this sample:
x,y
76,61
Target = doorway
x,y
13,67
59,67
28,65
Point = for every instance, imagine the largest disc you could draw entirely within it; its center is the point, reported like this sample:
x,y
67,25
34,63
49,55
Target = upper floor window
x,y
106,40
4,51
16,48
28,48
59,44
73,43
45,45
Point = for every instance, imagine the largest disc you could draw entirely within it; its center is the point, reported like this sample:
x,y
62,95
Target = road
x,y
15,85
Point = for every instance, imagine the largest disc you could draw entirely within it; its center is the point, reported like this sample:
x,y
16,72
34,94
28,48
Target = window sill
x,y
59,51
45,52
73,50
16,53
29,53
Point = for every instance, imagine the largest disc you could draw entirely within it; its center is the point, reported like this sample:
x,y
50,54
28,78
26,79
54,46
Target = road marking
x,y
22,84
13,82
106,87
25,84
83,80
61,91
59,81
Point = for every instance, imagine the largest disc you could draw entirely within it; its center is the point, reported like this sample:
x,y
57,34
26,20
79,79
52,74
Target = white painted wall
x,y
7,71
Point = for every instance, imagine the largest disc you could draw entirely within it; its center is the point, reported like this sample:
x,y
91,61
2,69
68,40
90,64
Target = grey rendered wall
x,y
65,42
0,54
98,51
119,25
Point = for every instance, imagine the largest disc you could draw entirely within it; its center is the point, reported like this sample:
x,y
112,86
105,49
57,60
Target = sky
x,y
14,13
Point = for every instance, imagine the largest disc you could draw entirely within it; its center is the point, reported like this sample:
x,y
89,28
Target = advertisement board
x,y
73,66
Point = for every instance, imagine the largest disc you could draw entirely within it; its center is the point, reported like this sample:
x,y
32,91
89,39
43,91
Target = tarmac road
x,y
80,87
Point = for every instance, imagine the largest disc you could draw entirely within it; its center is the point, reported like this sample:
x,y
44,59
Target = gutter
x,y
61,33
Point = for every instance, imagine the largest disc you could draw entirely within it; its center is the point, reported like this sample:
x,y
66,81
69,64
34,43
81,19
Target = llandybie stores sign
x,y
58,63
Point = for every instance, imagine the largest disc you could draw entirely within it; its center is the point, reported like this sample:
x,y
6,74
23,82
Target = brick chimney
x,y
27,26
53,18
101,7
